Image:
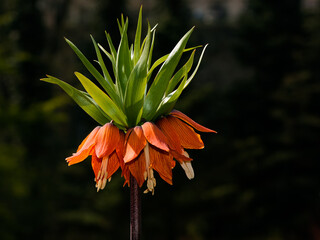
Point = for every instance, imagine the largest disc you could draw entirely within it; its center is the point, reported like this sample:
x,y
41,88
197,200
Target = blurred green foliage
x,y
258,87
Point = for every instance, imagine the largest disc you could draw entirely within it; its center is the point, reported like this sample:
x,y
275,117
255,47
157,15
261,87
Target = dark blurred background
x,y
258,86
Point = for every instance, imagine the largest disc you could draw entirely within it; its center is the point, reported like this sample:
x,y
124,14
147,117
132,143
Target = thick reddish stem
x,y
135,210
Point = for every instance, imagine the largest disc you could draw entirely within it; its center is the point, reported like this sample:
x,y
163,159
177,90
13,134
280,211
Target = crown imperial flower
x,y
140,132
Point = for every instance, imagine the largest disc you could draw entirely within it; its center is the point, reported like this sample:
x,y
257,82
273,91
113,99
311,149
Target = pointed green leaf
x,y
197,67
168,102
180,74
112,59
101,62
123,63
107,54
105,84
160,83
103,100
136,86
111,46
163,58
82,99
122,20
136,52
120,25
151,48
131,53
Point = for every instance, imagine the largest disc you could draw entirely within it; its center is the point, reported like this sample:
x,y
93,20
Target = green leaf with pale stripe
x,y
136,51
101,62
123,61
112,57
168,102
105,84
180,74
108,55
163,58
112,48
103,100
197,67
151,49
160,83
82,99
136,86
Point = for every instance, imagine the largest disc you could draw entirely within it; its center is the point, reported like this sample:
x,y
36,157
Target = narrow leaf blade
x,y
111,46
197,67
164,58
103,100
123,61
105,84
82,99
159,85
136,86
169,101
136,51
101,62
180,74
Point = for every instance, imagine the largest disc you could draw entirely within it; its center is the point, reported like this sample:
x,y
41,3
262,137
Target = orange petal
x,y
120,152
128,134
137,168
135,143
120,146
188,120
91,135
180,157
96,165
85,148
126,174
161,162
173,164
154,136
188,137
169,132
106,140
113,164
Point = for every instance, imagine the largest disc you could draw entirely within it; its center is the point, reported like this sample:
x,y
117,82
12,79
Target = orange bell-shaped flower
x,y
105,145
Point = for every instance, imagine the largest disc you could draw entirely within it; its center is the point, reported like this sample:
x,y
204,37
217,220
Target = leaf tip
x,y
77,74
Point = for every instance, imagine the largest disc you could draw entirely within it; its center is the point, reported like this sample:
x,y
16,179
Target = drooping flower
x,y
105,145
147,150
178,128
139,132
154,147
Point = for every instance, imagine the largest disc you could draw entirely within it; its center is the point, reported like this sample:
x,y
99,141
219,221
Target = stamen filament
x,y
103,175
148,174
187,167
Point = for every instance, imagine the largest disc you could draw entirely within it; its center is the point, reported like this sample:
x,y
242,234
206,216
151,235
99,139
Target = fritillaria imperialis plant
x,y
140,132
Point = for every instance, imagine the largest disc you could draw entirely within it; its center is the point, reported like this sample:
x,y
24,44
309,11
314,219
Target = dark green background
x,y
258,86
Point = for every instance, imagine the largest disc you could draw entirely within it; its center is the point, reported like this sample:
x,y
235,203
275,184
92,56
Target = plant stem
x,y
135,210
